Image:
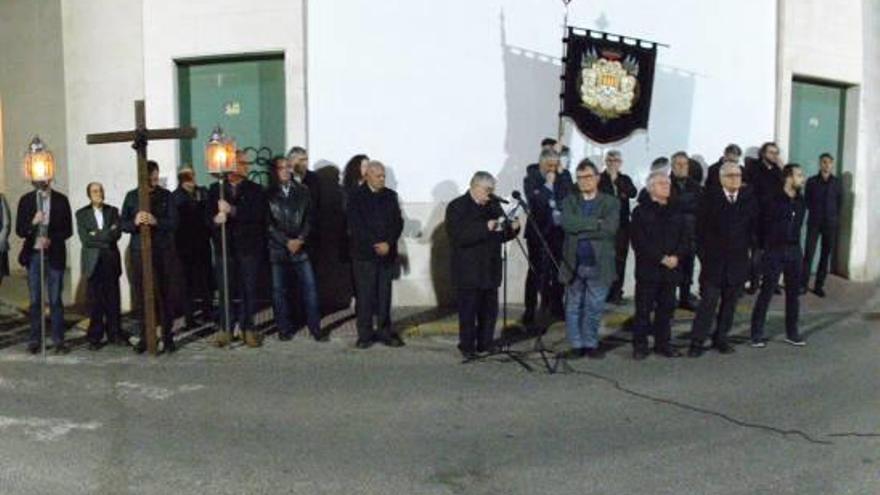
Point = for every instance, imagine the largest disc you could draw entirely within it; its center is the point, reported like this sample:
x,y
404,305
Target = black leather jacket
x,y
290,217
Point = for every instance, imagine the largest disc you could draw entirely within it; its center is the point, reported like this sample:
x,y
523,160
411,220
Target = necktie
x,y
731,198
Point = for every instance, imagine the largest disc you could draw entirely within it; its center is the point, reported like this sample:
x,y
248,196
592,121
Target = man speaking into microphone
x,y
476,226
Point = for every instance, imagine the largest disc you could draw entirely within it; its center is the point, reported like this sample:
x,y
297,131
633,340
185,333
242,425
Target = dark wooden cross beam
x,y
141,136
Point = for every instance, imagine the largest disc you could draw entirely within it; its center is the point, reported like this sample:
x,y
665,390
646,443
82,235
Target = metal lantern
x,y
39,164
220,153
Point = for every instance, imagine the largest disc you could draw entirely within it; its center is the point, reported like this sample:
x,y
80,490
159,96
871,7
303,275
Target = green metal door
x,y
817,118
244,95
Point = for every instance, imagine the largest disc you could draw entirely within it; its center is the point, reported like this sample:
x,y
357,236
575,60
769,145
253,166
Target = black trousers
x,y
543,279
687,272
163,279
621,251
198,281
708,313
755,267
828,234
477,314
243,272
788,261
373,279
103,296
657,299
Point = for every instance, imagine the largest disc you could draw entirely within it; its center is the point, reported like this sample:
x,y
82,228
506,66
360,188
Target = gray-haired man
x,y
474,223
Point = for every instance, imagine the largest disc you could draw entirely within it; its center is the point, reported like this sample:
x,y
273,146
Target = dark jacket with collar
x,y
725,233
476,252
161,207
782,219
374,217
246,226
99,243
60,228
626,191
824,199
290,217
543,201
192,237
658,231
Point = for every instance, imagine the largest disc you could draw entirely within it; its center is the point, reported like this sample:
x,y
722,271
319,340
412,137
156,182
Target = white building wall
x,y
438,90
104,75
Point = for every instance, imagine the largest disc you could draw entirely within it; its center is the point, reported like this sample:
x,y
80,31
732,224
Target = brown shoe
x,y
222,339
252,339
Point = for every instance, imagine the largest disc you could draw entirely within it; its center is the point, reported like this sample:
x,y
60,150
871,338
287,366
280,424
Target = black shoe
x,y
284,337
169,346
802,290
140,347
595,353
95,346
777,291
724,348
120,340
751,289
615,299
574,353
695,350
392,340
33,348
819,291
668,351
363,344
321,336
62,348
640,353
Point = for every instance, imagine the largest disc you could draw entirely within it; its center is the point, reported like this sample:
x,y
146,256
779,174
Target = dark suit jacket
x,y
626,191
824,200
161,207
476,252
539,197
374,217
246,228
657,231
99,243
725,232
60,228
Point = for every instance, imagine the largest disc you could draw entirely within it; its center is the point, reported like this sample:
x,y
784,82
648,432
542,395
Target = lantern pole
x,y
221,171
561,124
223,248
40,201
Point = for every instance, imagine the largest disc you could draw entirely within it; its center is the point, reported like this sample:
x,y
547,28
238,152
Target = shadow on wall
x,y
441,278
532,85
840,256
333,267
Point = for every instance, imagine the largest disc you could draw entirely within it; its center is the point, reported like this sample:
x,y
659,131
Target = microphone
x,y
516,195
497,199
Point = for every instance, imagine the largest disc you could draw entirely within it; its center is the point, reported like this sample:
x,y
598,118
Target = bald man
x,y
376,222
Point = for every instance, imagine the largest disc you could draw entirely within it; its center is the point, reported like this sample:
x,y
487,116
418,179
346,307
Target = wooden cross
x,y
140,136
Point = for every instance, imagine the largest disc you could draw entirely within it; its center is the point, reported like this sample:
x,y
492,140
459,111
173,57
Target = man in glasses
x,y
590,221
727,222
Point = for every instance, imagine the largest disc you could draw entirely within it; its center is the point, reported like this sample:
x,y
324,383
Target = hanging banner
x,y
607,84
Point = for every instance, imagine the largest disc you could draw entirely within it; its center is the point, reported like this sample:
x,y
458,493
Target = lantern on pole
x,y
39,164
220,160
39,168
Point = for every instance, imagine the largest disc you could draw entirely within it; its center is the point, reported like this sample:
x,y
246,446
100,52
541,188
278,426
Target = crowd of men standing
x,y
207,240
743,223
